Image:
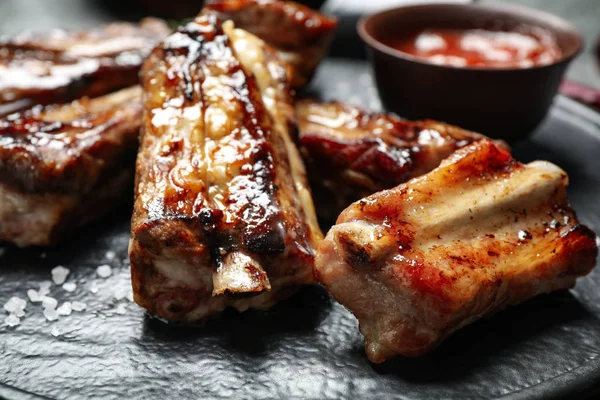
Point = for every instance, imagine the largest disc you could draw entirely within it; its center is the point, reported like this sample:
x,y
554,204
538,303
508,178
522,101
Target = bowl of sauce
x,y
487,67
482,47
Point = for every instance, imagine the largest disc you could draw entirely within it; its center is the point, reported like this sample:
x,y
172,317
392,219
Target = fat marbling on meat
x,y
479,233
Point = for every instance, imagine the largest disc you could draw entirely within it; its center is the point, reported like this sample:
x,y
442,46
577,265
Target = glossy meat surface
x,y
60,66
351,153
300,35
220,218
62,166
479,233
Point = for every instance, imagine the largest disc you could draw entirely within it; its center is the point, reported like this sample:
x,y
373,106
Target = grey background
x,y
16,15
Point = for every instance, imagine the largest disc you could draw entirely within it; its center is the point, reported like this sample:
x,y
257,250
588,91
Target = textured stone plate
x,y
309,346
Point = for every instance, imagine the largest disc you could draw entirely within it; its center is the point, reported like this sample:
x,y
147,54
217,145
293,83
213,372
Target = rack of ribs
x,y
478,233
300,35
64,165
61,66
350,153
222,216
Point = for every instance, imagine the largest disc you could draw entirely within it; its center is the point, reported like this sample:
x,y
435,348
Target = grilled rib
x,y
222,215
479,233
62,166
60,66
300,35
350,153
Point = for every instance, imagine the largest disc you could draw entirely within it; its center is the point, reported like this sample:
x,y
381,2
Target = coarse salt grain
x,y
12,320
54,331
78,306
65,308
104,271
59,274
45,287
51,314
15,304
94,287
120,309
49,302
121,293
34,296
69,286
110,255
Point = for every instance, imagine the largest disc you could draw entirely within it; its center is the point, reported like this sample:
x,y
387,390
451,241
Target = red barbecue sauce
x,y
482,48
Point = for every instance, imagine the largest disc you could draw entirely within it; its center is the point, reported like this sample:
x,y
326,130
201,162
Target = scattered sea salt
x,y
69,286
15,304
12,320
104,271
55,332
43,255
110,255
59,274
94,287
34,296
51,314
120,309
49,302
78,306
65,308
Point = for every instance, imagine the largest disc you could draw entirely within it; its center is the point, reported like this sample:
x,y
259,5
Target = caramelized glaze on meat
x,y
60,66
62,166
299,34
219,217
480,232
351,153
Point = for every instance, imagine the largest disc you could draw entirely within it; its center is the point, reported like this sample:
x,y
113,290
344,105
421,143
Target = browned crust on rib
x,y
213,183
479,233
60,66
351,153
67,148
300,34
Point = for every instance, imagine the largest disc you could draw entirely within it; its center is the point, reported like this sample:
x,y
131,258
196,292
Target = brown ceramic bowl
x,y
503,103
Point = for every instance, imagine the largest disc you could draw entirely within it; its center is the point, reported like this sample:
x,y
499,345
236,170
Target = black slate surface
x,y
308,347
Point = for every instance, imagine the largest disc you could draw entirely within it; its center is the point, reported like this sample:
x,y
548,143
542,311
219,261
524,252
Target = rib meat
x,y
350,153
299,34
60,66
479,233
222,214
62,166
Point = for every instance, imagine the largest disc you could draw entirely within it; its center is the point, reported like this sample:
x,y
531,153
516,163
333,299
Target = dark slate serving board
x,y
308,347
